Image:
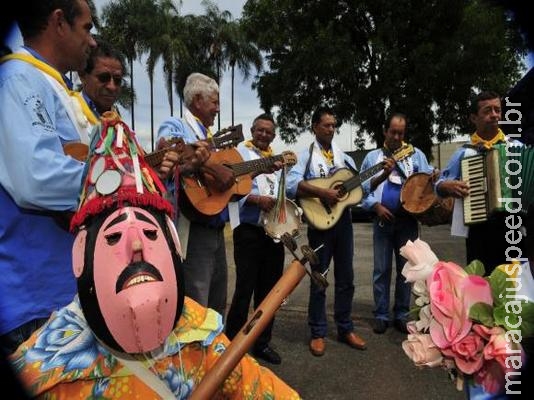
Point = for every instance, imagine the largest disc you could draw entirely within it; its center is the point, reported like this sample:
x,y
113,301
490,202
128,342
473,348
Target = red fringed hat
x,y
116,173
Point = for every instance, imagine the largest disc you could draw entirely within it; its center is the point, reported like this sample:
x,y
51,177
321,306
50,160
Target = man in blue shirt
x,y
258,259
205,266
393,226
322,160
39,184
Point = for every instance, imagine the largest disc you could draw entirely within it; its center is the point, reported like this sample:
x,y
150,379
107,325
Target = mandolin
x,y
207,200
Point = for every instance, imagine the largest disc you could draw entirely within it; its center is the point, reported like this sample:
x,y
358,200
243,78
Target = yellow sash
x,y
91,117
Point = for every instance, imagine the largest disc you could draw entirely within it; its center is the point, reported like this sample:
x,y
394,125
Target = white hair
x,y
198,83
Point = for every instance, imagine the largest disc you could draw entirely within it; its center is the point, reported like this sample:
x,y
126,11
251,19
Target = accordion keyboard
x,y
476,208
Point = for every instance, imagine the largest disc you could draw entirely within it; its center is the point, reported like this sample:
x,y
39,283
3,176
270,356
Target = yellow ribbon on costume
x,y
91,117
488,144
263,153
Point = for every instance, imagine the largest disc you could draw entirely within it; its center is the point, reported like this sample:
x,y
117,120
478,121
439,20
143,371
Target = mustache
x,y
137,273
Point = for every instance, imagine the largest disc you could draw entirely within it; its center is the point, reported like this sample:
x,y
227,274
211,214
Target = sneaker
x,y
380,326
400,325
267,354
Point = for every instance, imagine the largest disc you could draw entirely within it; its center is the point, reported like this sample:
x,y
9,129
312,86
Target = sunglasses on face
x,y
105,77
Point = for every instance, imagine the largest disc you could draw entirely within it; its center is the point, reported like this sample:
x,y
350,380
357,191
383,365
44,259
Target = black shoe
x,y
380,326
400,325
267,354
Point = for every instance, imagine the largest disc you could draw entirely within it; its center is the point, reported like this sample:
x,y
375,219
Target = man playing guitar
x,y
322,160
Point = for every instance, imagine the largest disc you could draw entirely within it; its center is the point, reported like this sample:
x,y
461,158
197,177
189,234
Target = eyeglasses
x,y
105,77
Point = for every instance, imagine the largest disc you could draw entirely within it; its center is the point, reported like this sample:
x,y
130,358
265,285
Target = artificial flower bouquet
x,y
467,323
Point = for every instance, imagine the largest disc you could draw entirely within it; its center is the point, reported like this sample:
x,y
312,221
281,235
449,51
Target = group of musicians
x,y
152,330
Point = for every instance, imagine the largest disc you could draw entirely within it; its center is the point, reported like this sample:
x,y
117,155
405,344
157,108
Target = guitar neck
x,y
357,180
260,164
155,158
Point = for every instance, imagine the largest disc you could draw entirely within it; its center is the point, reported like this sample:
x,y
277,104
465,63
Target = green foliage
x,y
367,58
475,268
482,313
509,310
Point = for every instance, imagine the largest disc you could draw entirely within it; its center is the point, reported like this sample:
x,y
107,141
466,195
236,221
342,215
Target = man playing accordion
x,y
486,236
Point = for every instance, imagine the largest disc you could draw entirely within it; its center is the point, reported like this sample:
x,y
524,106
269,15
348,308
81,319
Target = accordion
x,y
498,176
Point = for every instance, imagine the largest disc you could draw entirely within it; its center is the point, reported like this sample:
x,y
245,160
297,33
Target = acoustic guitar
x,y
207,200
323,216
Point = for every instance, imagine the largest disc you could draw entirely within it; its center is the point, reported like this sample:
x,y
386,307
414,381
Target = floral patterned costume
x,y
64,360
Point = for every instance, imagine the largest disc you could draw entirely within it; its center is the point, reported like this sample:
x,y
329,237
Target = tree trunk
x,y
151,77
233,76
132,95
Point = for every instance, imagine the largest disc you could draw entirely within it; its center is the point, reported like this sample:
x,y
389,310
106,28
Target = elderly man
x,y
205,266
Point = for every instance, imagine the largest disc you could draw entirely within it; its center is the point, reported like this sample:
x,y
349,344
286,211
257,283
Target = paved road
x,y
382,371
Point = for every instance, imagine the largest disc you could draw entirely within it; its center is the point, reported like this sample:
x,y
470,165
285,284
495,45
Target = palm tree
x,y
242,54
220,34
156,44
126,26
228,46
195,56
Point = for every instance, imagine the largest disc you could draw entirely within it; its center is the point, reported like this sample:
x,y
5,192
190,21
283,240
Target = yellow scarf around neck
x,y
263,153
209,134
47,69
488,144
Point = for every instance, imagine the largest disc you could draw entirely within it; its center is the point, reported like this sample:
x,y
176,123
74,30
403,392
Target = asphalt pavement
x,y
382,371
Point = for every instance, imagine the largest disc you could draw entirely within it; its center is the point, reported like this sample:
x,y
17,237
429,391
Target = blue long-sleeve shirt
x,y
383,193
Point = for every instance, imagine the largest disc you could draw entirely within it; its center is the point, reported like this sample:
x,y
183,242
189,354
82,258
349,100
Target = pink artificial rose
x,y
422,351
496,352
467,353
420,260
490,377
452,292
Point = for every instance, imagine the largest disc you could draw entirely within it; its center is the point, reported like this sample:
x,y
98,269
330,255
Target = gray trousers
x,y
205,268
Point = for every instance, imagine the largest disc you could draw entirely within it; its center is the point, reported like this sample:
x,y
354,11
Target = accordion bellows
x,y
500,179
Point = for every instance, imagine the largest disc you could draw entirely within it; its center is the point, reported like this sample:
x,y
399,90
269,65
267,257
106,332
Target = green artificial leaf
x,y
499,284
482,313
527,323
499,315
475,267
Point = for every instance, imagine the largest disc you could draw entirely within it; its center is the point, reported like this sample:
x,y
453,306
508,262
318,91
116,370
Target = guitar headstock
x,y
289,158
402,152
228,137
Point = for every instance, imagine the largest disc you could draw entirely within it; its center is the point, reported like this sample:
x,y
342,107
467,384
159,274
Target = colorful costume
x,y
64,360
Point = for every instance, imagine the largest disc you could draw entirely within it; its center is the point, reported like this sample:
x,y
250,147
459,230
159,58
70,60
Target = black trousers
x,y
491,241
259,264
